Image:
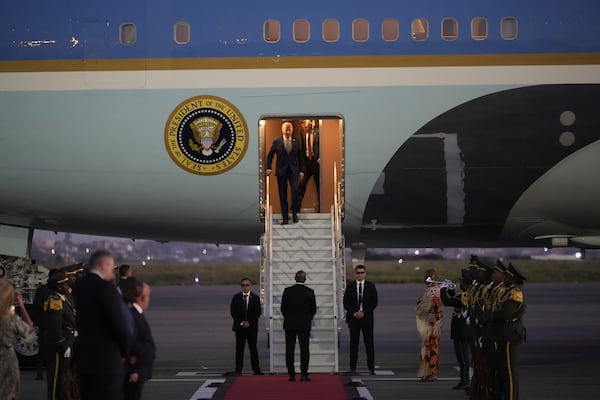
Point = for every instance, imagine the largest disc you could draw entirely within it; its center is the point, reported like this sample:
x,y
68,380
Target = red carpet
x,y
277,387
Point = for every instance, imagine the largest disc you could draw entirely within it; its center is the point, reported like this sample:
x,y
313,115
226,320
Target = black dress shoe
x,y
258,373
292,378
460,385
284,222
295,218
372,372
304,378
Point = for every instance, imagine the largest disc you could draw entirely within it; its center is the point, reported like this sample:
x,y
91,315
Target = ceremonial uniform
x,y
459,331
506,318
59,339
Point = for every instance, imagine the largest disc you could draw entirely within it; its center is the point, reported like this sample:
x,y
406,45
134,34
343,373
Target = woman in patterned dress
x,y
11,325
429,326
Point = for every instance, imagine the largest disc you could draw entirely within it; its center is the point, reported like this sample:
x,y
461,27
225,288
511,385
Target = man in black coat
x,y
310,151
360,300
290,167
245,311
104,339
298,306
136,294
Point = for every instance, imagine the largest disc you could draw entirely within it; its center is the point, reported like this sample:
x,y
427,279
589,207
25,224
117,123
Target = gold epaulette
x,y
55,304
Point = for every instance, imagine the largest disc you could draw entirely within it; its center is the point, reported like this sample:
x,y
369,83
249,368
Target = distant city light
x,y
148,258
196,280
545,249
204,251
143,263
400,261
53,251
87,250
578,255
417,252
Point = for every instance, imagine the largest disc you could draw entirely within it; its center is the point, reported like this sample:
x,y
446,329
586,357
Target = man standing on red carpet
x,y
298,306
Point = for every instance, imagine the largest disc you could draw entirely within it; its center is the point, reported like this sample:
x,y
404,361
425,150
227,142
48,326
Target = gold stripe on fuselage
x,y
164,64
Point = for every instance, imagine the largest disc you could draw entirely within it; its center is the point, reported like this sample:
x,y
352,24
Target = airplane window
x,y
479,28
301,30
181,32
331,30
420,29
272,31
449,29
127,34
509,28
360,30
390,31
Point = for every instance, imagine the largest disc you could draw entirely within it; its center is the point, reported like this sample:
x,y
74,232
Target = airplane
x,y
462,123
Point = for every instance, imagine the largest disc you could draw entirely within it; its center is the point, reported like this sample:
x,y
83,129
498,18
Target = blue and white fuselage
x,y
466,123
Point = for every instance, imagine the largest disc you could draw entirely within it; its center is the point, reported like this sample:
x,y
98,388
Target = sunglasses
x,y
245,284
360,272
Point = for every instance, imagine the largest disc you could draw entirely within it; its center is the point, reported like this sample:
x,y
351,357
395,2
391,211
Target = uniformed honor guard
x,y
506,319
59,339
459,331
475,305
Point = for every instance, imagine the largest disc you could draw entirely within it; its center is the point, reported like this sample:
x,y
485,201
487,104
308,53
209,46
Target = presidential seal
x,y
206,135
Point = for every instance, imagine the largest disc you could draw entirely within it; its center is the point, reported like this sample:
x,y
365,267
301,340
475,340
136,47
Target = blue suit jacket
x,y
294,160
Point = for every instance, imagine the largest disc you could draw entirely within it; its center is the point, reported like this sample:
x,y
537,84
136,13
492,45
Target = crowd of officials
x,y
94,340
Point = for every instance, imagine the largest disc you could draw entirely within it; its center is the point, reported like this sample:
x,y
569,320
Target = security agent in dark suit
x,y
139,368
310,151
245,311
104,340
298,306
360,300
290,167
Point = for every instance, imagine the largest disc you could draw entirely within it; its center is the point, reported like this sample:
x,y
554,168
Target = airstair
x,y
315,245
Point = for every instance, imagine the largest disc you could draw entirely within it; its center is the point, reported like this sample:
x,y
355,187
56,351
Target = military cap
x,y
58,278
476,264
500,266
466,275
73,269
512,271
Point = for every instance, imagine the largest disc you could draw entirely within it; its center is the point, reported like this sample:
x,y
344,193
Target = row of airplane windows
x,y
330,30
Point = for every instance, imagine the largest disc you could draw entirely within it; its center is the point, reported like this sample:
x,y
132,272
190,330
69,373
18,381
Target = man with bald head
x,y
290,168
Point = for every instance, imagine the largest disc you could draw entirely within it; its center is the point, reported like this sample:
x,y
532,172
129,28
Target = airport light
x,y
417,252
400,261
53,251
143,263
578,255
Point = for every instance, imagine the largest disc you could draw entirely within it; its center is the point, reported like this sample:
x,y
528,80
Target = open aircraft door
x,y
327,132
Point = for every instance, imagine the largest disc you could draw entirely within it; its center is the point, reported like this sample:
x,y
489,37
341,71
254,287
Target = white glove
x,y
67,353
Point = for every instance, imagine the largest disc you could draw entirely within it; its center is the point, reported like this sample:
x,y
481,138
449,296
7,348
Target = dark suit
x,y
144,351
248,334
310,163
103,340
355,325
298,306
288,168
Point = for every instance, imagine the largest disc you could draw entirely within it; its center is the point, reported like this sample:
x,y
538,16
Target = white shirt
x,y
138,308
358,291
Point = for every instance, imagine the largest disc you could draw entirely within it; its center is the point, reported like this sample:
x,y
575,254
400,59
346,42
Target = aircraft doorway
x,y
327,134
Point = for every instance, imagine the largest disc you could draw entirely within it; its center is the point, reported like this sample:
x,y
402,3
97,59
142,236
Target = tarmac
x,y
195,345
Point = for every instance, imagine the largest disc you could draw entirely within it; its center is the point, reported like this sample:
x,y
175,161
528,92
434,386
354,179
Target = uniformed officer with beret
x,y
60,336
